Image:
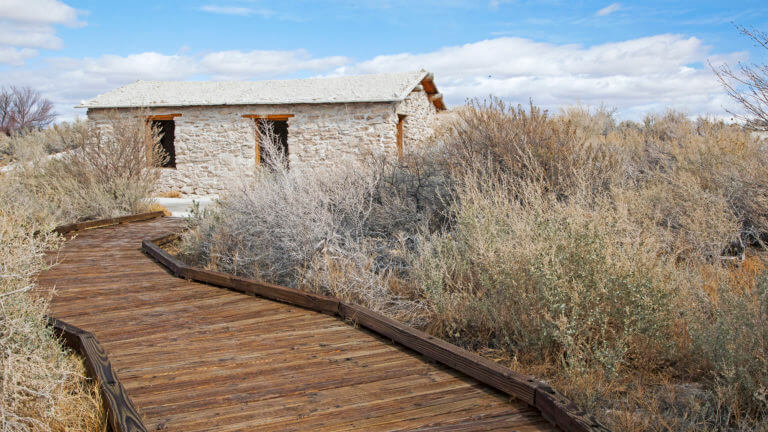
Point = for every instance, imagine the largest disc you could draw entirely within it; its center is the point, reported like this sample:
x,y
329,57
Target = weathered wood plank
x,y
174,265
122,415
483,370
324,304
64,229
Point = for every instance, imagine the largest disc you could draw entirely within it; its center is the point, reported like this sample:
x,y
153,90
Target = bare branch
x,y
23,109
747,84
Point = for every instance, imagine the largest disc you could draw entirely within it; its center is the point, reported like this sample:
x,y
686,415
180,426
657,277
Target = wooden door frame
x,y
400,121
256,118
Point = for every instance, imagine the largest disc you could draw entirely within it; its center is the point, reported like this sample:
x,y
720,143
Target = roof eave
x,y
424,79
168,105
428,83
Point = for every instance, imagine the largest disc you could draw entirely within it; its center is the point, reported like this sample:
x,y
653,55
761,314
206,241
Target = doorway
x,y
167,129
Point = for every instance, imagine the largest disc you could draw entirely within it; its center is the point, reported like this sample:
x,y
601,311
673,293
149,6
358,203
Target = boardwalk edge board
x,y
79,226
122,415
555,407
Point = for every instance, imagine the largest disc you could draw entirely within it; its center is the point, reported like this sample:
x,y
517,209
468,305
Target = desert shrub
x,y
109,171
342,231
594,253
296,215
692,222
546,280
34,144
531,145
42,386
722,164
731,336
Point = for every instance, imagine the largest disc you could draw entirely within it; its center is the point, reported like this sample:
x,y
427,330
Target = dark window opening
x,y
166,129
278,131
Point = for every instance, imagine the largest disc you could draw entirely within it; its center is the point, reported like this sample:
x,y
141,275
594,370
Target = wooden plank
x,y
563,412
479,368
196,361
121,413
429,83
268,116
429,86
68,332
163,116
319,303
523,422
174,265
64,229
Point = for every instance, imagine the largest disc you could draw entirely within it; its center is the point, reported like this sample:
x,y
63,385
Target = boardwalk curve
x,y
196,357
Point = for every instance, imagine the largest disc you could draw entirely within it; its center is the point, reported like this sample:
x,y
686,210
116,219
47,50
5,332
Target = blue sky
x,y
636,57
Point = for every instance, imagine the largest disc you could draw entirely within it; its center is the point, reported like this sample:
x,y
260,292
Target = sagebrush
x,y
107,171
619,260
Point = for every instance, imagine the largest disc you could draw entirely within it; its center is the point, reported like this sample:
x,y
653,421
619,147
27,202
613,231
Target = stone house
x,y
210,129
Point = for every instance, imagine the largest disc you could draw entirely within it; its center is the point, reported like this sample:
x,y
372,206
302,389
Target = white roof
x,y
386,87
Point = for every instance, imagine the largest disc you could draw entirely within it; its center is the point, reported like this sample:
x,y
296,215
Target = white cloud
x,y
30,24
34,35
494,4
236,10
148,65
38,11
634,76
14,56
611,8
265,64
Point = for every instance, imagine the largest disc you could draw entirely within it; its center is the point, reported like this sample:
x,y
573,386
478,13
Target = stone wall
x,y
420,117
215,145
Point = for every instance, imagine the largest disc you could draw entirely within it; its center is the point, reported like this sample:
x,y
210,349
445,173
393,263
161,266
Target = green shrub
x,y
731,336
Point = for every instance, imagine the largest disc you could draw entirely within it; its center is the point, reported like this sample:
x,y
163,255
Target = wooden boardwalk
x,y
195,357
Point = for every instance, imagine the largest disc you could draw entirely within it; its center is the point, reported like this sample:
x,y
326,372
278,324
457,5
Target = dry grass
x,y
109,172
36,144
611,259
154,207
170,194
43,386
